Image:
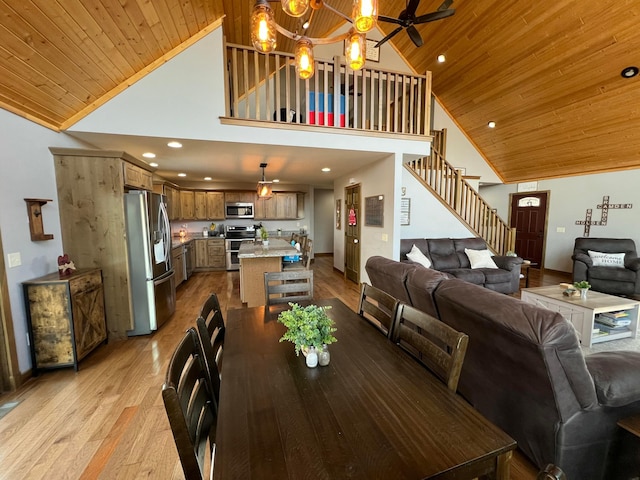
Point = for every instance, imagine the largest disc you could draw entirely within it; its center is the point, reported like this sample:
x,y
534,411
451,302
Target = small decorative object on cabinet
x,y
66,317
34,208
308,328
65,265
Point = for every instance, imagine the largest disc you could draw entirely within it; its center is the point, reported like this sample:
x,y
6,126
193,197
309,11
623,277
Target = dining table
x,y
373,413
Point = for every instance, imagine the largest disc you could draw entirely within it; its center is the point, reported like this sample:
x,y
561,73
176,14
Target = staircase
x,y
449,186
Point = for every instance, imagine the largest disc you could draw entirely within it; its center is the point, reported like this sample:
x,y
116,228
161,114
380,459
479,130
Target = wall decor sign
x,y
604,215
527,187
405,211
371,52
374,211
338,214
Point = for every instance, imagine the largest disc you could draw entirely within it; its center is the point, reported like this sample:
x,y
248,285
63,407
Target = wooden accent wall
x,y
90,195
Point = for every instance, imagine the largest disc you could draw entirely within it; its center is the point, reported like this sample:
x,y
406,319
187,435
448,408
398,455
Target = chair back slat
x,y
435,344
211,330
288,286
377,307
191,408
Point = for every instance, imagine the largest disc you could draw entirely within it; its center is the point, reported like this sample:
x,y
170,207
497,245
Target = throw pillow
x,y
480,258
415,255
601,259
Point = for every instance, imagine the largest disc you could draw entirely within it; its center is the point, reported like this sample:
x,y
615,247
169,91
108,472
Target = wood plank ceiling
x,y
547,72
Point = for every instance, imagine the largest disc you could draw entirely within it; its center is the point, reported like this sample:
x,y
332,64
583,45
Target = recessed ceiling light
x,y
149,155
442,58
207,178
153,164
174,144
326,169
629,72
182,174
491,124
276,180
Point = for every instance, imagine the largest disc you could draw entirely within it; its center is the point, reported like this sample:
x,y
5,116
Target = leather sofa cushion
x,y
443,254
616,376
390,276
494,275
618,274
468,275
421,283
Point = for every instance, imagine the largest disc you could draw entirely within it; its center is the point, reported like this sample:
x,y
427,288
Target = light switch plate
x,y
14,259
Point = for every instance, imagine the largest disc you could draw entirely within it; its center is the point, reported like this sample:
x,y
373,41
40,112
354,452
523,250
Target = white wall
x,y
569,198
324,221
27,171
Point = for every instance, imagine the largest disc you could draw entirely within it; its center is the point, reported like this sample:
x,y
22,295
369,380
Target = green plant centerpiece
x,y
264,234
307,326
582,284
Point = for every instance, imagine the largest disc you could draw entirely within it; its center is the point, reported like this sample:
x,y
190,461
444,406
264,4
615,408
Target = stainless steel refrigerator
x,y
151,276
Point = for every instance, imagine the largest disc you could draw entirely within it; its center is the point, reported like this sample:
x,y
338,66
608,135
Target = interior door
x,y
352,233
529,217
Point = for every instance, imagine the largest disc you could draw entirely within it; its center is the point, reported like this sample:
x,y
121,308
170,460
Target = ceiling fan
x,y
407,20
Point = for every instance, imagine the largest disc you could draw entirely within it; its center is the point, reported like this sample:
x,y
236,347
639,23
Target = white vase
x,y
324,356
583,293
312,357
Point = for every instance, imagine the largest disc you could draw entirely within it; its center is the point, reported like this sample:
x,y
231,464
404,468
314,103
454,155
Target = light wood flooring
x,y
107,421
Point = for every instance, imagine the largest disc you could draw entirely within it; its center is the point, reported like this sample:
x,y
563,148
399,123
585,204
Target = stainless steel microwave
x,y
239,210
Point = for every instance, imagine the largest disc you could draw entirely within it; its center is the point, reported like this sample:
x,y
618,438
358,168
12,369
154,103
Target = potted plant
x,y
583,286
308,328
264,235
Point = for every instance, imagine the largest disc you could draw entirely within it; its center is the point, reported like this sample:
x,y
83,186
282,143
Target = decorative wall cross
x,y
604,206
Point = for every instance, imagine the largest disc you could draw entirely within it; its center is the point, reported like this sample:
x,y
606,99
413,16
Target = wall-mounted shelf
x,y
34,209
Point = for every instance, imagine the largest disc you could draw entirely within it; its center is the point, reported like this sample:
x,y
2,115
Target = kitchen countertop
x,y
178,241
277,248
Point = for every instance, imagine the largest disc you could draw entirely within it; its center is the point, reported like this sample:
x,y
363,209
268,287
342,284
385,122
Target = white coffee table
x,y
581,313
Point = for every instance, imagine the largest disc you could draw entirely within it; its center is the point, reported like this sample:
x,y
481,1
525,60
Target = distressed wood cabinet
x,y
177,256
66,317
210,254
137,177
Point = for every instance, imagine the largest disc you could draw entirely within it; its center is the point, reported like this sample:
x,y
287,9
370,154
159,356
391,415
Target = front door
x,y
529,217
352,233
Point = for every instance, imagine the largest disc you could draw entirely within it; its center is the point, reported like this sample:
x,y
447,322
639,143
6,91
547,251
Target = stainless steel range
x,y
235,235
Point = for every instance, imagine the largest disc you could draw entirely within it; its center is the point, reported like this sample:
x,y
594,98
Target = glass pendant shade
x,y
364,14
264,189
304,59
354,50
295,8
263,28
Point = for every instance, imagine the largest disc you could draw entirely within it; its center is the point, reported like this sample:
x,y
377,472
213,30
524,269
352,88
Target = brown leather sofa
x,y
525,371
447,255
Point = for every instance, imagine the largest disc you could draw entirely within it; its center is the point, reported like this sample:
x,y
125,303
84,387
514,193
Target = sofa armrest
x,y
632,264
616,377
506,262
582,257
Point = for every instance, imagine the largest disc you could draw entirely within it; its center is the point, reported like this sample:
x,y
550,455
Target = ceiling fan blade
x,y
388,37
414,35
412,7
445,5
433,16
390,19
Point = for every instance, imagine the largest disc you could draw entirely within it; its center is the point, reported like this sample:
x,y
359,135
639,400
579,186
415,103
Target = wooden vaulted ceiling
x,y
547,72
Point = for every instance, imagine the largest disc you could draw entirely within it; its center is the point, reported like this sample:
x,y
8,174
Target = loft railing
x,y
266,88
446,182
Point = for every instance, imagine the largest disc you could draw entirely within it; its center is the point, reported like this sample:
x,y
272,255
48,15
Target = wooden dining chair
x,y
377,307
305,259
284,287
191,408
208,322
435,344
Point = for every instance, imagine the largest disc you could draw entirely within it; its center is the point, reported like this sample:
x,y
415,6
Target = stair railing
x,y
448,184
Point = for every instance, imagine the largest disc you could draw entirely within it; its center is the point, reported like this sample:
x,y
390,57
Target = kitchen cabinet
x,y
242,197
137,177
200,202
282,206
90,186
187,205
265,208
177,257
65,317
210,254
215,205
173,202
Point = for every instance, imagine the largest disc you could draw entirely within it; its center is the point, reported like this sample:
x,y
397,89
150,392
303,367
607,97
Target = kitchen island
x,y
255,260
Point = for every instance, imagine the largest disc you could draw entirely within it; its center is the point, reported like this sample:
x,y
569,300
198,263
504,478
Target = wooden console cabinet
x,y
66,317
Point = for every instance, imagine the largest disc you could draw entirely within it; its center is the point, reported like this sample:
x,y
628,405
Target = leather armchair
x,y
606,279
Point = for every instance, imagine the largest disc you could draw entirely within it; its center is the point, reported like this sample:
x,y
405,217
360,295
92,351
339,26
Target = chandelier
x,y
264,27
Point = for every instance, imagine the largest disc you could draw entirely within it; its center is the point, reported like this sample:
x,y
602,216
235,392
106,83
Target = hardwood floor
x,y
107,420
